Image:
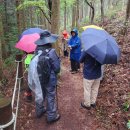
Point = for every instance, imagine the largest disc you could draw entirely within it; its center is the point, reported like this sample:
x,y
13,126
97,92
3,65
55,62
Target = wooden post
x,y
20,71
5,111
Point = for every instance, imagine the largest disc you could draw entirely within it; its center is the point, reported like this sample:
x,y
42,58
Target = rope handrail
x,y
17,83
15,86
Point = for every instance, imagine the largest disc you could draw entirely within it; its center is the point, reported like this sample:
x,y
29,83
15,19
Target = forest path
x,y
70,95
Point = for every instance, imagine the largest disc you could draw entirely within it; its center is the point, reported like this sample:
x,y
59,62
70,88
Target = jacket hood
x,y
75,30
64,32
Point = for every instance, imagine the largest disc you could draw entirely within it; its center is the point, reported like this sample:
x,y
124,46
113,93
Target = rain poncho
x,y
36,84
33,79
75,43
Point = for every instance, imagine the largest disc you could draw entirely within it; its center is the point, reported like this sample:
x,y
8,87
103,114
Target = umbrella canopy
x,y
27,42
31,31
100,45
92,26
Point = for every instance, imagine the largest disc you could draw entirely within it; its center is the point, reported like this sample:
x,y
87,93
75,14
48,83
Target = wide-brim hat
x,y
46,37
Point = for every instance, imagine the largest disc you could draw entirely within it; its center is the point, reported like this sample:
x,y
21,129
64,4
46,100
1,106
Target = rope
x,y
16,79
17,107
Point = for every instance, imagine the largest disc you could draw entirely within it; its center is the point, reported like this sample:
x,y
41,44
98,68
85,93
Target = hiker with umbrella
x,y
98,48
26,44
42,76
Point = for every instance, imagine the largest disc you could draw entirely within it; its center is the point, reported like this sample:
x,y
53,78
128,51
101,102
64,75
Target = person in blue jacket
x,y
91,80
75,51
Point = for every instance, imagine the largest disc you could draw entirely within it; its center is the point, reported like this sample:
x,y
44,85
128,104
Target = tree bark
x,y
65,16
1,35
18,14
77,13
55,20
102,10
127,11
73,16
124,31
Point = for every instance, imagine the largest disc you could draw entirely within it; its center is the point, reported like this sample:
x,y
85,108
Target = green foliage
x,y
126,106
29,3
128,124
69,3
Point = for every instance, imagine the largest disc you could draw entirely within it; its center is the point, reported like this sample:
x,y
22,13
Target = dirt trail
x,y
73,117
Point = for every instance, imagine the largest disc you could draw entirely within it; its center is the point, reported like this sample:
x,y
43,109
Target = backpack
x,y
44,67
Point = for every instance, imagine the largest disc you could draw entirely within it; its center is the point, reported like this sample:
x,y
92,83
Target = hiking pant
x,y
90,91
49,93
74,65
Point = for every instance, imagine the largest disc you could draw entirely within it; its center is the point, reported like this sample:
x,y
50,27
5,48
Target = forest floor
x,y
113,93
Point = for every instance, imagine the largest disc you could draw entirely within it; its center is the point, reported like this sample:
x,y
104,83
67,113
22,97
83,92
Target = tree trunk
x,y
1,35
19,24
31,16
73,16
102,10
124,31
92,11
50,7
77,13
1,63
55,20
65,16
127,11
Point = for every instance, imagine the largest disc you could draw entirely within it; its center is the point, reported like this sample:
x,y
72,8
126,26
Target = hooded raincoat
x,y
75,44
35,82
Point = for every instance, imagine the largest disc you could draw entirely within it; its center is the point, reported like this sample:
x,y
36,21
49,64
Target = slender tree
x,y
65,15
73,15
77,13
102,10
92,11
19,17
1,34
55,20
127,17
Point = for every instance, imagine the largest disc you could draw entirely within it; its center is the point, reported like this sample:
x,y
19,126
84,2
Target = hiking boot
x,y
55,119
40,111
28,97
85,107
40,114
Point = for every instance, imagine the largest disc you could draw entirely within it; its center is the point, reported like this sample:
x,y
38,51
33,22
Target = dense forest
x,y
56,16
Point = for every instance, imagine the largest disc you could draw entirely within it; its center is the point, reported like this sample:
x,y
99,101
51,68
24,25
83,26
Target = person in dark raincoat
x,y
42,87
75,50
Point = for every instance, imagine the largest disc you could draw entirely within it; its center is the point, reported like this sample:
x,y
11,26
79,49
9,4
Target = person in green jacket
x,y
28,93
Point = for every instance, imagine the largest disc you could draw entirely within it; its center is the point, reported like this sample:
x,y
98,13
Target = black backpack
x,y
44,67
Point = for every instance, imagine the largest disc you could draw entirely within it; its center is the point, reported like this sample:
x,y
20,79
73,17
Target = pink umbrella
x,y
27,44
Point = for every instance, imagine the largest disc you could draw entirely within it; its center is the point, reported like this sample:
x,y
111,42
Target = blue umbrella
x,y
31,31
101,46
